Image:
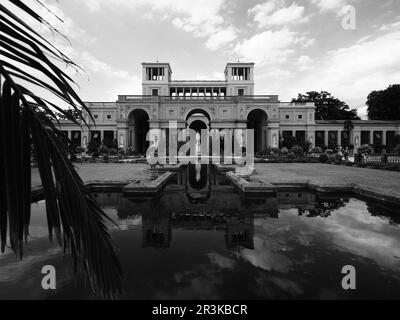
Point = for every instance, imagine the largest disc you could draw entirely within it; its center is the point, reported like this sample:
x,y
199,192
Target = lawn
x,y
380,181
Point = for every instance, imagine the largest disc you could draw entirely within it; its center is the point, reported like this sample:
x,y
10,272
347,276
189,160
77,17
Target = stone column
x,y
326,138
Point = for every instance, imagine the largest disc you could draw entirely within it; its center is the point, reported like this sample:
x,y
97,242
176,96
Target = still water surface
x,y
203,241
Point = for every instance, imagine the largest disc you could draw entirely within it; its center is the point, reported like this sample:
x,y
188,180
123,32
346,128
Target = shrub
x,y
316,150
306,145
93,146
392,167
323,158
289,142
274,150
103,149
397,149
358,157
298,151
338,159
112,152
329,152
365,149
79,150
284,151
272,156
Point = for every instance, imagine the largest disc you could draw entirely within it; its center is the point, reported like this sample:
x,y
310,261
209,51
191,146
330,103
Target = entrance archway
x,y
197,125
198,112
257,120
138,122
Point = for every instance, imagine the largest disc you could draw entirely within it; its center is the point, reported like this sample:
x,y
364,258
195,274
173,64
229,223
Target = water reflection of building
x,y
156,232
197,182
302,200
239,233
224,211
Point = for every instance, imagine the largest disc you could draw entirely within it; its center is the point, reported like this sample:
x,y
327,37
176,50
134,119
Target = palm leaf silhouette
x,y
27,121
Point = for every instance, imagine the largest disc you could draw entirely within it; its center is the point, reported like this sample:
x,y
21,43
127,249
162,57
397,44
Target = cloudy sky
x,y
297,45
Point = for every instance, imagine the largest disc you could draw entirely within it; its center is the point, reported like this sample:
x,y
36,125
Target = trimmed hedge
x,y
323,158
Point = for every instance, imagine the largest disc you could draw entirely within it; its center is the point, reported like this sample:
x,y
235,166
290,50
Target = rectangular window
x,y
76,138
287,134
378,138
345,136
109,117
300,137
332,139
300,117
365,135
378,141
108,139
95,116
287,117
95,135
240,92
154,92
319,138
390,139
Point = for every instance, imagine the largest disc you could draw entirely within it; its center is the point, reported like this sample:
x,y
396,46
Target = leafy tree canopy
x,y
71,112
384,104
327,107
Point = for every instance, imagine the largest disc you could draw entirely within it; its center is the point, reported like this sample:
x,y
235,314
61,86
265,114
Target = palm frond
x,y
73,215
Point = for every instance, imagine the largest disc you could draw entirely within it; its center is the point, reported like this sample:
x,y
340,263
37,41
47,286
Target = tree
x,y
348,126
27,64
72,112
327,107
384,104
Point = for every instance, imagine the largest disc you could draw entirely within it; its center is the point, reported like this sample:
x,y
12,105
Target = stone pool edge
x,y
264,187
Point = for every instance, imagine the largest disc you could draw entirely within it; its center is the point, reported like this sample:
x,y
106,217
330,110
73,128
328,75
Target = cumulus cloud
x,y
275,13
221,37
330,4
304,62
340,7
267,47
202,18
352,72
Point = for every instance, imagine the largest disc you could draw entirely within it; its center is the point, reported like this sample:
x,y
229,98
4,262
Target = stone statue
x,y
274,141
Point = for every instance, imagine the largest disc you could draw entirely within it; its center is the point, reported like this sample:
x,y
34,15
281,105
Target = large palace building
x,y
224,104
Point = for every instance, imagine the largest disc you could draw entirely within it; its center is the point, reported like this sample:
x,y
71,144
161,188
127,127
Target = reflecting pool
x,y
205,241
